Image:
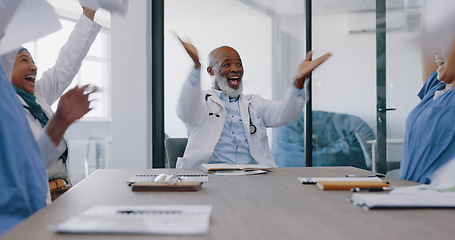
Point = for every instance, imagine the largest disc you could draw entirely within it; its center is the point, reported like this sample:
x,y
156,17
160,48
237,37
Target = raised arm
x,y
277,113
192,52
89,13
426,54
72,105
306,67
189,105
56,79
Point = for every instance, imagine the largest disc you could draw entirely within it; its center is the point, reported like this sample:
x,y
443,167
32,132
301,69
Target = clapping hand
x,y
307,66
192,51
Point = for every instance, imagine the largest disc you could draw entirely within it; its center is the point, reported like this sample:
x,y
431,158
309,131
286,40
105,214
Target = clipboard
x,y
164,186
347,185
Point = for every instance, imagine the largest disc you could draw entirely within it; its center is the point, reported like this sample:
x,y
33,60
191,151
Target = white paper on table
x,y
240,172
439,194
426,199
115,6
442,180
308,180
34,19
146,219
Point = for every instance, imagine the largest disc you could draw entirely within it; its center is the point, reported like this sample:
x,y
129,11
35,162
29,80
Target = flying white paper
x,y
34,19
115,6
439,24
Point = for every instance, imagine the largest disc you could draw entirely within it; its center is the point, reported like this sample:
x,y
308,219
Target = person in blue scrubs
x,y
23,177
430,132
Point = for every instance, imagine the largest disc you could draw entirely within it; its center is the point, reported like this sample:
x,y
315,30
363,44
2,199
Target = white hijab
x,y
37,16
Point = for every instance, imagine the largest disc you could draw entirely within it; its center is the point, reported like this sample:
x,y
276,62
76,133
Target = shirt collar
x,y
223,96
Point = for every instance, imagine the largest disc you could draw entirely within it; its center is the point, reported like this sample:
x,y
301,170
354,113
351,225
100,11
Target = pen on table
x,y
372,189
364,175
148,211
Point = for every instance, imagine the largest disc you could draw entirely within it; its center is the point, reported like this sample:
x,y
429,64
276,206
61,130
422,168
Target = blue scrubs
x,y
429,140
23,177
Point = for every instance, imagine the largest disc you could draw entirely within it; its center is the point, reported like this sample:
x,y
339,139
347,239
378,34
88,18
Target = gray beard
x,y
224,86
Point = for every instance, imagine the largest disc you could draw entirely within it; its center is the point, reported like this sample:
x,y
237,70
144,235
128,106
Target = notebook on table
x,y
137,219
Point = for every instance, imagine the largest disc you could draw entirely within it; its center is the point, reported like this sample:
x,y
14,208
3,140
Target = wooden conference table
x,y
272,206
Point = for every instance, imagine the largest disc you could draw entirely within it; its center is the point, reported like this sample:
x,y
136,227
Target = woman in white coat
x,y
37,97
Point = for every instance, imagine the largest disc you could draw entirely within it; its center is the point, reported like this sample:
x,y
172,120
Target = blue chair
x,y
334,141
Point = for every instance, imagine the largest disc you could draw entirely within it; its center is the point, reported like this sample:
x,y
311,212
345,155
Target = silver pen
x,y
371,189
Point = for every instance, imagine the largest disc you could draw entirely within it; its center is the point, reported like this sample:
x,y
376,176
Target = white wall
x,y
249,32
130,89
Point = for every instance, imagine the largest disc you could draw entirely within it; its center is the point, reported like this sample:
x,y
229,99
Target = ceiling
x,y
322,7
184,8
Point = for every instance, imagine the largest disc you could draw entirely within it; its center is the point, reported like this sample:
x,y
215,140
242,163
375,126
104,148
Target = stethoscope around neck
x,y
252,128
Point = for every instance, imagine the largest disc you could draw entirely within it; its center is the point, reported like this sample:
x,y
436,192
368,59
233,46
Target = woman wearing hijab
x,y
23,178
38,96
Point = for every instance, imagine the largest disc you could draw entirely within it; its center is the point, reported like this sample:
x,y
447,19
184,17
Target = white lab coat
x,y
54,82
204,130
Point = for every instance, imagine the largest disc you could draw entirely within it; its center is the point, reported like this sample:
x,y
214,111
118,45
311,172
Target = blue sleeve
x,y
23,177
301,93
195,77
431,83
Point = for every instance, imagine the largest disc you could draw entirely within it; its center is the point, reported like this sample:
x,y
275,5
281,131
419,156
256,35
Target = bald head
x,y
220,52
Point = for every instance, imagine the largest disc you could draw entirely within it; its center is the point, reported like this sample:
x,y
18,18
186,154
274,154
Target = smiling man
x,y
223,124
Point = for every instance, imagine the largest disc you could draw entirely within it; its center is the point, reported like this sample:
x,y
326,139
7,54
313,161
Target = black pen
x,y
360,175
372,189
148,212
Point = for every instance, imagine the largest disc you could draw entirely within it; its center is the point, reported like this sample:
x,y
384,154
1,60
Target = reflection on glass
x,y
344,92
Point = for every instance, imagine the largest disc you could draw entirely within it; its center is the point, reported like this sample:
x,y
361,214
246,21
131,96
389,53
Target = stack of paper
x,y
404,200
439,194
313,180
168,220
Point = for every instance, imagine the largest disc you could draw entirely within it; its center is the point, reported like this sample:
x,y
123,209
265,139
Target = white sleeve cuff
x,y
49,152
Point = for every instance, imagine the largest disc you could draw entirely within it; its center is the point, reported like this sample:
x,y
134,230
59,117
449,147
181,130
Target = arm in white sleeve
x,y
278,113
56,79
189,106
49,152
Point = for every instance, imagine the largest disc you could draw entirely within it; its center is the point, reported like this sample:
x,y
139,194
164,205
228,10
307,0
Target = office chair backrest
x,y
366,148
175,147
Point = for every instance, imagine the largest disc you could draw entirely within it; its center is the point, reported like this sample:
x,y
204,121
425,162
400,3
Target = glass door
x,y
375,68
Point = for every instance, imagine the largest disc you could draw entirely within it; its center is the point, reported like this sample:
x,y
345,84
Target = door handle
x,y
387,109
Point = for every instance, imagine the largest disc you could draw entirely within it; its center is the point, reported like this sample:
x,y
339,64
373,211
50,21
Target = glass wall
x,y
345,89
270,37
